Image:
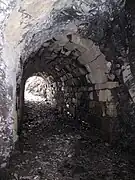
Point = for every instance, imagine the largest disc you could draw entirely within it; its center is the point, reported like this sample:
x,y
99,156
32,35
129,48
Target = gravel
x,y
52,148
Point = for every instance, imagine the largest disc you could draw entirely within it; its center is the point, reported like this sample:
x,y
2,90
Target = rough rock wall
x,y
6,89
32,23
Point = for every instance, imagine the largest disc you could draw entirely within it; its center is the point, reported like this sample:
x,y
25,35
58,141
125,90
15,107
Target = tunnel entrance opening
x,y
39,89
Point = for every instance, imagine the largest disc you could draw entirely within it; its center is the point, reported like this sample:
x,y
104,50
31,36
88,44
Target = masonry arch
x,y
80,73
71,32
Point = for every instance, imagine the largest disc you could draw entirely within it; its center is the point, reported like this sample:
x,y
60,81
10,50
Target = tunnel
x,y
67,90
80,78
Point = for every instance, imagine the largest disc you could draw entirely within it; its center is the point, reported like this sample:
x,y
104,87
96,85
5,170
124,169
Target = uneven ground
x,y
53,148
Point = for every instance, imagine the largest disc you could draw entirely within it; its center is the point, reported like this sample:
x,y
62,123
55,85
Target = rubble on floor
x,y
51,147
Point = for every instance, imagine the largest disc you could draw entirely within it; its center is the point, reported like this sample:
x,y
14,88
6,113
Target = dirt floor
x,y
52,148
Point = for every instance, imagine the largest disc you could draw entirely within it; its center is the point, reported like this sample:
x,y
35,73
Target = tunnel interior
x,y
74,133
61,133
79,57
79,75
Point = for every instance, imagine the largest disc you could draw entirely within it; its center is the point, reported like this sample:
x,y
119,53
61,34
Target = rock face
x,y
84,47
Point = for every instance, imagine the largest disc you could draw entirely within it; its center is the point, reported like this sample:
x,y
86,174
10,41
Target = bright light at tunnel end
x,y
38,89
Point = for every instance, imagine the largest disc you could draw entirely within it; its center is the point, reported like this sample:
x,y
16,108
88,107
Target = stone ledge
x,y
108,85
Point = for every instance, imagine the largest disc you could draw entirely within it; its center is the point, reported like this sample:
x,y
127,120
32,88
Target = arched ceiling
x,y
77,56
32,24
28,28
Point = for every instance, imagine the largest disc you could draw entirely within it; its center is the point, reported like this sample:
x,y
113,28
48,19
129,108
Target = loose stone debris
x,y
51,147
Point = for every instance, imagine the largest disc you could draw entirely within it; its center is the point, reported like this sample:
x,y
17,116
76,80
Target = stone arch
x,y
77,21
79,65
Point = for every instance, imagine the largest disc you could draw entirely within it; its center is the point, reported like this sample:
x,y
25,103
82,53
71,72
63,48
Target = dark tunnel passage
x,y
55,66
68,76
83,89
75,96
59,140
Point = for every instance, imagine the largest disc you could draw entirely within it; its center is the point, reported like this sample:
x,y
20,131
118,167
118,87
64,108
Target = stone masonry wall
x,y
95,34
